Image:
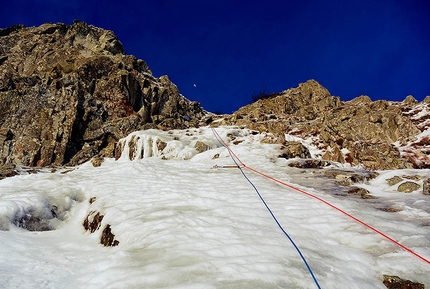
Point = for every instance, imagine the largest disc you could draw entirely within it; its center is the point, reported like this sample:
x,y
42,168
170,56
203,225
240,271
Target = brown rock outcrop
x,y
292,149
108,238
363,193
276,113
359,132
68,92
395,282
7,171
93,221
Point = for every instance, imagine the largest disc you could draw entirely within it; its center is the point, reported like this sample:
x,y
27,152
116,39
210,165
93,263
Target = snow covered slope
x,y
418,151
181,223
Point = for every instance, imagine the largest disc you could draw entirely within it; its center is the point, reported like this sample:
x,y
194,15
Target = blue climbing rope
x,y
270,211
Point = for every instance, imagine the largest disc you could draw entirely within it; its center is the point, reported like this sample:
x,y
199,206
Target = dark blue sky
x,y
234,49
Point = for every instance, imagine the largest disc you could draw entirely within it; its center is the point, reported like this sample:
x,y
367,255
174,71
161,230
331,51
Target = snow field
x,y
182,224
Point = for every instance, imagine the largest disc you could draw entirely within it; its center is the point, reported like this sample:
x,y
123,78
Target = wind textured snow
x,y
183,224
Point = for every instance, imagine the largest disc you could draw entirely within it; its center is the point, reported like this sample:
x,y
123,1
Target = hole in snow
x,y
37,213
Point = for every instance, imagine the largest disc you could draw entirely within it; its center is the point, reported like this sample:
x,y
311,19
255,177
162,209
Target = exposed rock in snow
x,y
93,221
395,282
408,187
108,238
426,187
394,180
363,193
201,146
308,163
294,149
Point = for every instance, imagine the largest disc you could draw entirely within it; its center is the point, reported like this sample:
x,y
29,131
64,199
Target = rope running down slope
x,y
232,155
242,165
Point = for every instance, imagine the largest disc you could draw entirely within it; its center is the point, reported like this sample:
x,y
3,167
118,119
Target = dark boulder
x,y
395,282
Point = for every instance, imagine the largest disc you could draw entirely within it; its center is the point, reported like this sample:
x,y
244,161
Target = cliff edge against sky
x,y
70,92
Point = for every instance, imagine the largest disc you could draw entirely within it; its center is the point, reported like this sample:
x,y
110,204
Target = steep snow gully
x,y
183,224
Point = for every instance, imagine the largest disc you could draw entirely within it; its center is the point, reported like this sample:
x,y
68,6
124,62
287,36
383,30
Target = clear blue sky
x,y
233,49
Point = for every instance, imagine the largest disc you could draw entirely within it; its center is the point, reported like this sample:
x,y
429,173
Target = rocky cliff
x,y
309,121
69,92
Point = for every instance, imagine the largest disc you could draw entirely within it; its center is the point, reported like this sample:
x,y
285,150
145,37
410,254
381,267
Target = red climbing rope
x,y
320,199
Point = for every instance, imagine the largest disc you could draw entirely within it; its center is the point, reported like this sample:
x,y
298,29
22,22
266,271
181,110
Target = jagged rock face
x,y
359,132
306,101
68,92
276,113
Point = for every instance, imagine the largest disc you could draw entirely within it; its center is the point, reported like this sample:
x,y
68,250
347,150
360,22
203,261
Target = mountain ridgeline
x,y
309,121
69,93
